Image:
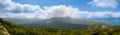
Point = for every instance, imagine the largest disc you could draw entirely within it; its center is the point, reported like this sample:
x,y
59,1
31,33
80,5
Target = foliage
x,y
54,30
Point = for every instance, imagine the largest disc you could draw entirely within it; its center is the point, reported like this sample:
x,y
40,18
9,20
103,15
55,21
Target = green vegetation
x,y
54,30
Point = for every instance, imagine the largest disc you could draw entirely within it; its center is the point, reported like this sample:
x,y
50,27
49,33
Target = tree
x,y
1,19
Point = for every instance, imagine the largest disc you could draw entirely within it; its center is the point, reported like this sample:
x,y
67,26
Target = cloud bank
x,y
10,9
105,3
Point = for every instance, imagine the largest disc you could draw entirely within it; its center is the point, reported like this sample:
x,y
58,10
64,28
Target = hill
x,y
21,30
60,22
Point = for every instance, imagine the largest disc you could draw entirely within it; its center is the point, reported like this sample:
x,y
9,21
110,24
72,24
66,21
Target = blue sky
x,y
59,8
81,4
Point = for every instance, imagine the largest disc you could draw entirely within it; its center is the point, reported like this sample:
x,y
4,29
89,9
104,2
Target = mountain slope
x,y
21,30
63,22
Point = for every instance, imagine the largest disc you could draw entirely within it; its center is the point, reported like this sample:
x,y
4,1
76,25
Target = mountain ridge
x,y
64,22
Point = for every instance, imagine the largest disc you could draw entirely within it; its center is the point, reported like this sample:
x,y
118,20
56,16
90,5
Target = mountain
x,y
112,21
18,21
63,22
58,21
6,28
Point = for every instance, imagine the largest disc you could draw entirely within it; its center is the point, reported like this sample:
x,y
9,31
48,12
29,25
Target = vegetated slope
x,y
64,22
3,30
21,20
19,30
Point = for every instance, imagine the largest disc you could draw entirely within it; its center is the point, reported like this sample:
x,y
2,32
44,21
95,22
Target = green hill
x,y
54,30
57,21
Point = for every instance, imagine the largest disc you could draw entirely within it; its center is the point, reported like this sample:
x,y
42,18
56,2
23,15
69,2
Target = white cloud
x,y
105,14
11,9
61,10
105,3
117,14
10,6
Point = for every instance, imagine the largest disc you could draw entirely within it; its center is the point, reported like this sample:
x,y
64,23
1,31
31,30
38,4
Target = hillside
x,y
3,30
59,21
53,30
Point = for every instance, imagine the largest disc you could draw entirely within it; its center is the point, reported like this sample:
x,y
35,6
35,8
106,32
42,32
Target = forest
x,y
54,30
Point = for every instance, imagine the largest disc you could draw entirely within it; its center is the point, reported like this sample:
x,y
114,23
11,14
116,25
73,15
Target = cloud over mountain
x,y
8,8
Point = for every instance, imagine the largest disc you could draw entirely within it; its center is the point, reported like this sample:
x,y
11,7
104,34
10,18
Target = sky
x,y
45,9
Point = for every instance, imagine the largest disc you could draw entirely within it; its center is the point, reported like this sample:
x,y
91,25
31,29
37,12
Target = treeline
x,y
54,30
